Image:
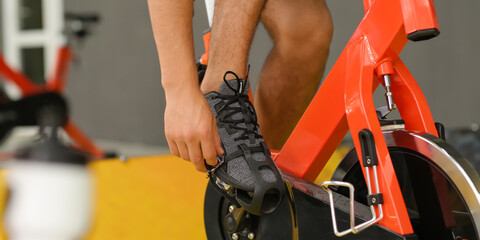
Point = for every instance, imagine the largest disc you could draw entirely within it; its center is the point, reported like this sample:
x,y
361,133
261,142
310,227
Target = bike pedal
x,y
223,188
222,185
210,168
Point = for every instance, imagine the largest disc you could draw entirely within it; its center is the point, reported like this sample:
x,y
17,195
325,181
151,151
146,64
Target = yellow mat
x,y
158,197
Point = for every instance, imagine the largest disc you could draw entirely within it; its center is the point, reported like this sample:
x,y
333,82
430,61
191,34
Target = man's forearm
x,y
172,28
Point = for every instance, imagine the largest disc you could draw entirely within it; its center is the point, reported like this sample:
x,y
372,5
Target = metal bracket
x,y
354,228
332,206
370,161
375,199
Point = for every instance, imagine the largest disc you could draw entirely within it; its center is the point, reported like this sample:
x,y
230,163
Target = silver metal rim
x,y
446,158
441,154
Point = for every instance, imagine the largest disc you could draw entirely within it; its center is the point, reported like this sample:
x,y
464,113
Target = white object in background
x,y
49,201
50,36
209,4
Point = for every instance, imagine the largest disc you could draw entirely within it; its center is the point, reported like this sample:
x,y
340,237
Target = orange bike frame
x,y
344,101
55,84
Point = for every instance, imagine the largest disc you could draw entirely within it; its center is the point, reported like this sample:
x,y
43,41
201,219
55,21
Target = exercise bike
x,y
401,181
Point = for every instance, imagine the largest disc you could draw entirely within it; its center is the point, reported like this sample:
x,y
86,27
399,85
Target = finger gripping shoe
x,y
247,164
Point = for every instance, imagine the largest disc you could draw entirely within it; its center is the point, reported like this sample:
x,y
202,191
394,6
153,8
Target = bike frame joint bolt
x,y
369,161
230,209
234,236
251,235
374,200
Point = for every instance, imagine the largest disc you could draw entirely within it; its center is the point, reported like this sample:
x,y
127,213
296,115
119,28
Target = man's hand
x,y
190,126
191,129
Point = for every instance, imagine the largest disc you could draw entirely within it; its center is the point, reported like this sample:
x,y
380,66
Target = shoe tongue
x,y
230,87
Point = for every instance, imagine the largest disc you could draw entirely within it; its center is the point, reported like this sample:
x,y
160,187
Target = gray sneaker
x,y
247,168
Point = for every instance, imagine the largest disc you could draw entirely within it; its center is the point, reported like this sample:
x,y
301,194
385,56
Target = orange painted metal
x,y
26,86
419,15
385,67
345,102
58,80
367,4
206,42
361,114
316,135
81,140
410,101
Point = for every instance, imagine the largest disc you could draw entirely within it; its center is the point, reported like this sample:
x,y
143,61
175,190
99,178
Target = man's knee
x,y
305,37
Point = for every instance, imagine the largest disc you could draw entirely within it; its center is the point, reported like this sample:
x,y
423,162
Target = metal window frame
x,y
50,37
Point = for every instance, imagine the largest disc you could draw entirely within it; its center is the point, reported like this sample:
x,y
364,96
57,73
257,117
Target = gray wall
x,y
115,90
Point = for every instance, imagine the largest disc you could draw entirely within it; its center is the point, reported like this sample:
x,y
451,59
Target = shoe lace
x,y
245,107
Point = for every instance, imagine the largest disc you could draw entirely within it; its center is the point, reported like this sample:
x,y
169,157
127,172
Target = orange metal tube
x,y
206,42
57,82
361,114
419,15
411,102
26,86
367,4
82,141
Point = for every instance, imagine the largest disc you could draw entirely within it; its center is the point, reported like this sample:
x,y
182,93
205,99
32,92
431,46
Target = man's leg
x,y
247,167
302,31
233,27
